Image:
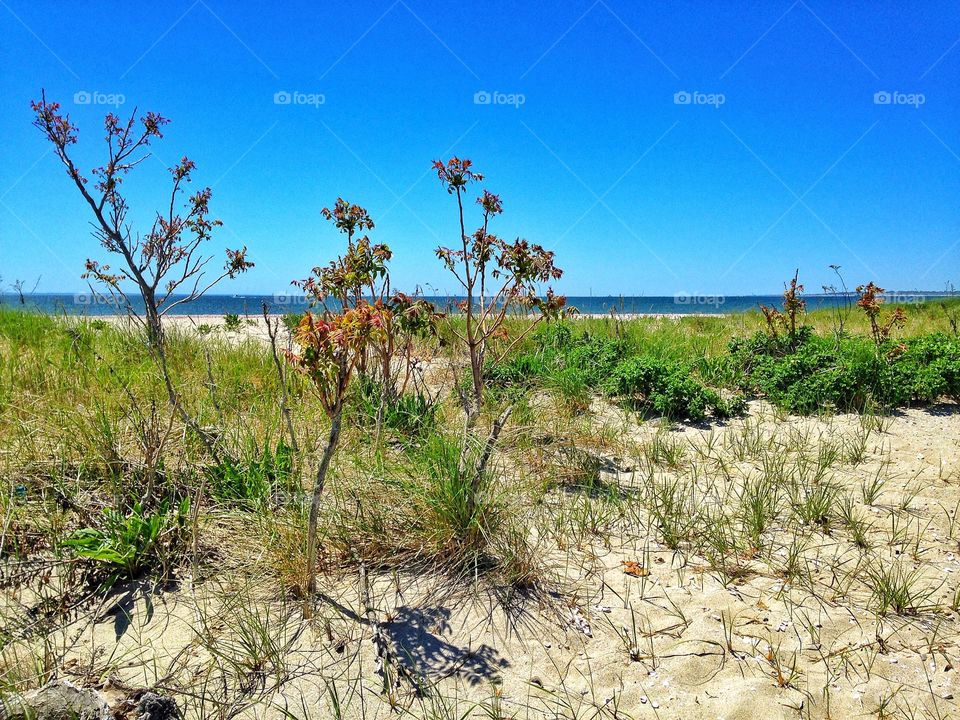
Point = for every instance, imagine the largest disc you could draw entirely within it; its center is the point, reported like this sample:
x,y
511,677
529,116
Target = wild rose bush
x,y
803,372
333,339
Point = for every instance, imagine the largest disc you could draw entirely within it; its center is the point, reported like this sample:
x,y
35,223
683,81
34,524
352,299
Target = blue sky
x,y
784,156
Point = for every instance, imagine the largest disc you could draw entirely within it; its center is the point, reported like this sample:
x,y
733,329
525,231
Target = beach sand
x,y
677,640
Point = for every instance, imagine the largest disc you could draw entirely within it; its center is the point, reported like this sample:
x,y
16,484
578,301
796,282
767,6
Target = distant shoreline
x,y
625,307
202,318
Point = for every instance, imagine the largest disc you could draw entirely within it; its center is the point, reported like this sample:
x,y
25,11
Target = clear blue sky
x,y
798,167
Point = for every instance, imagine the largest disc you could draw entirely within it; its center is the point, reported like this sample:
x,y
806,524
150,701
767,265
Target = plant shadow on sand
x,y
121,603
417,635
943,409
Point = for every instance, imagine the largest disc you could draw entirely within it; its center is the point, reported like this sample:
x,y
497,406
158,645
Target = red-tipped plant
x,y
333,342
363,273
167,260
871,299
495,275
794,307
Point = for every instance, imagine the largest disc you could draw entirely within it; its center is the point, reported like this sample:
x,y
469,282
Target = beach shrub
x,y
166,264
232,322
555,350
819,374
253,478
667,388
786,324
334,340
496,276
848,373
574,365
163,262
932,363
128,544
870,301
362,276
407,320
593,358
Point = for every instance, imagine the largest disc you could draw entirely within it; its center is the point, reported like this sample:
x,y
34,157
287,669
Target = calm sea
x,y
86,304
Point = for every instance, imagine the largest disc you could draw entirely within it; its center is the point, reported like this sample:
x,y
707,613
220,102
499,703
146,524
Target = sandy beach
x,y
674,639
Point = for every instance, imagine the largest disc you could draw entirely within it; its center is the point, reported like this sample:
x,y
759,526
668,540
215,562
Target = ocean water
x,y
87,304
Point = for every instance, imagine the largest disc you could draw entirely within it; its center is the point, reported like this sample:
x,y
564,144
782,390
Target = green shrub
x,y
255,478
593,357
231,321
574,365
668,388
848,373
932,362
128,544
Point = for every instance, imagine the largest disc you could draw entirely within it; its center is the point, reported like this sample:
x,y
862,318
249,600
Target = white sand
x,y
704,649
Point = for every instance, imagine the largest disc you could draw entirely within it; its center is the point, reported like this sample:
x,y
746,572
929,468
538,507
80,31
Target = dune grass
x,y
101,486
